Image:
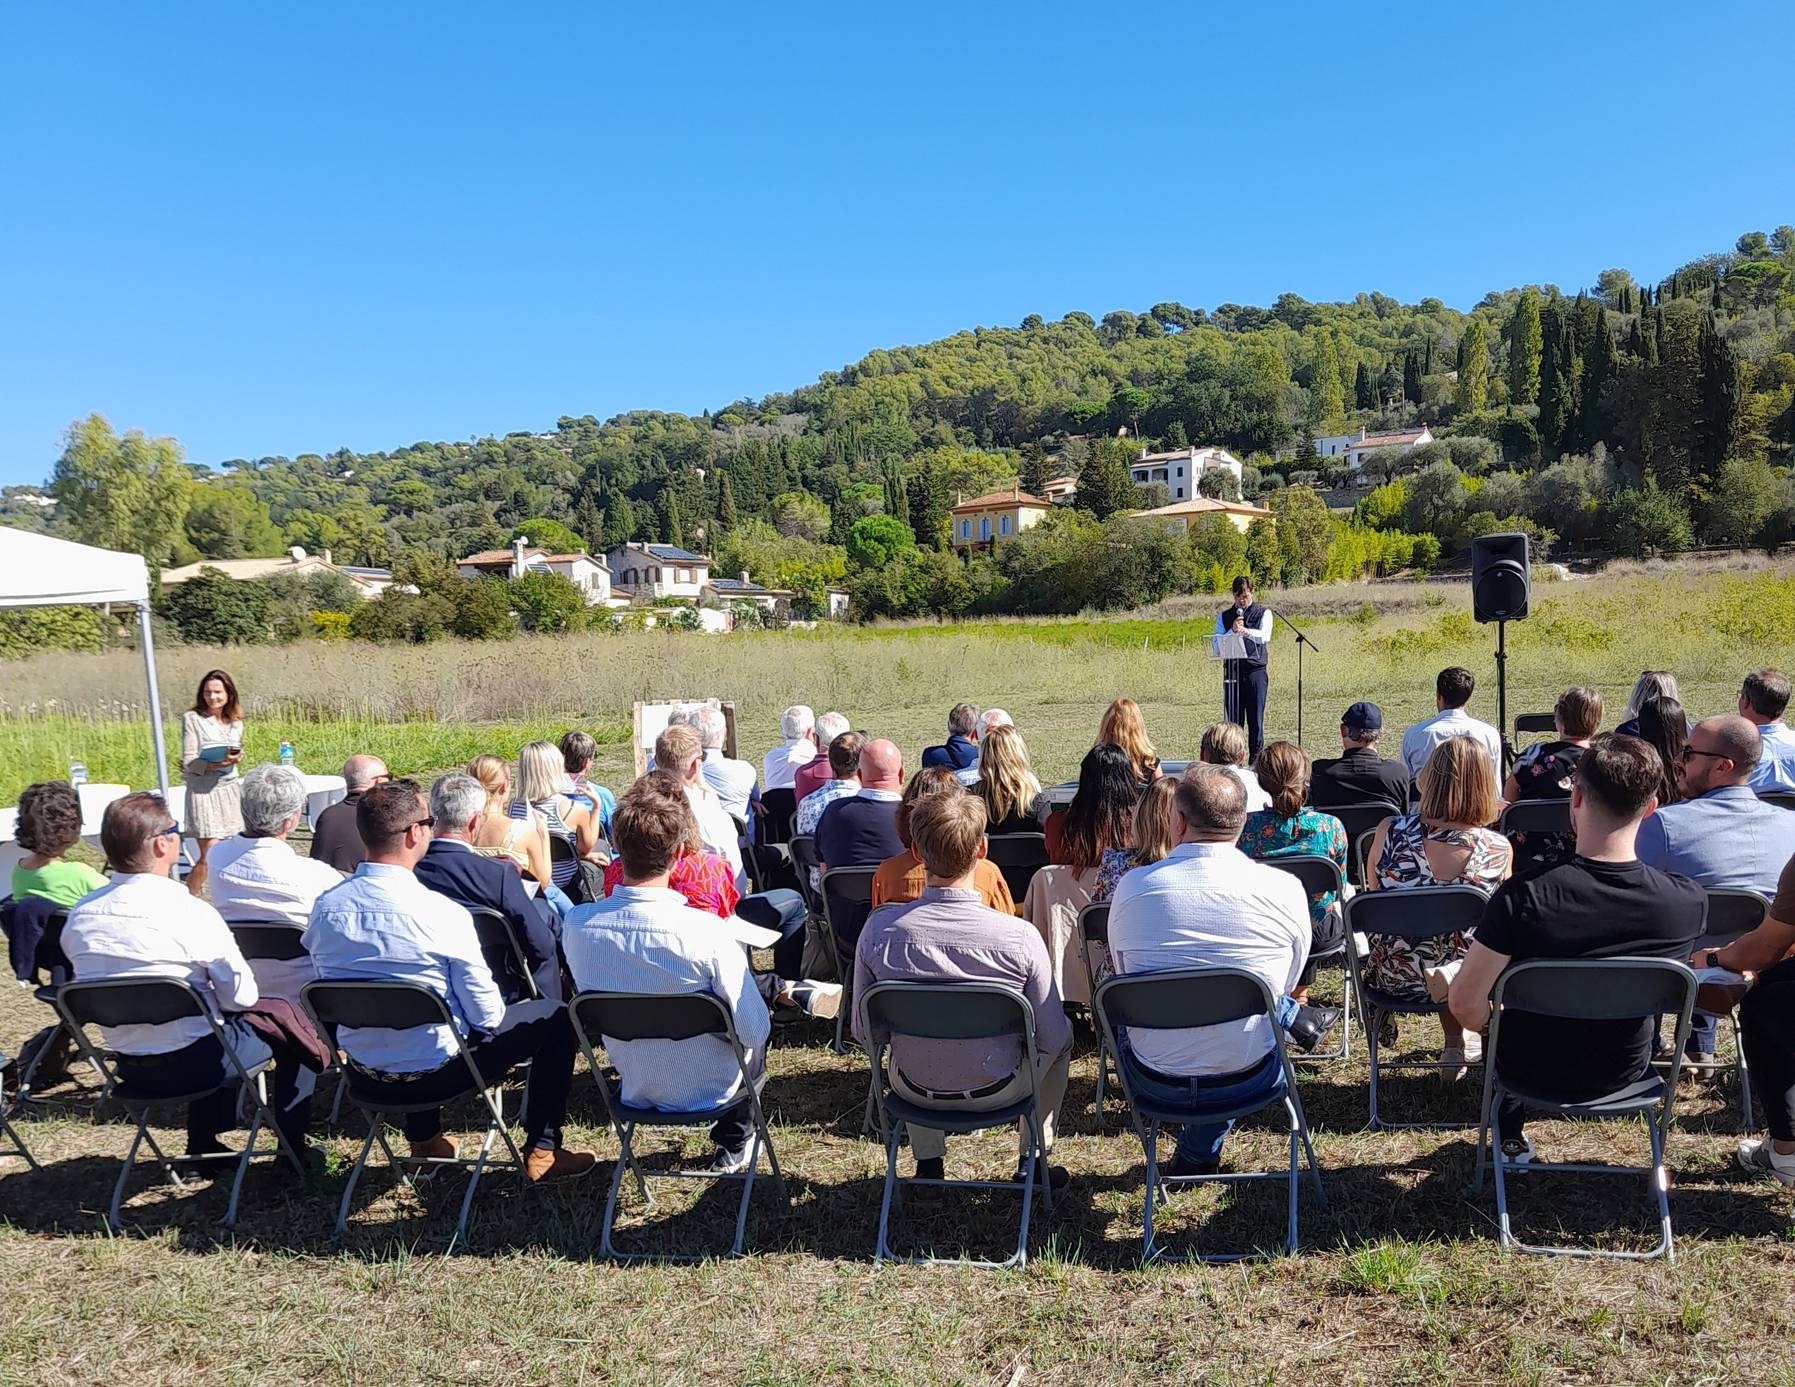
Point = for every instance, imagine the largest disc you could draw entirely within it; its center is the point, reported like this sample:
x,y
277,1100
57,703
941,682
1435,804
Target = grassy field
x,y
1399,1280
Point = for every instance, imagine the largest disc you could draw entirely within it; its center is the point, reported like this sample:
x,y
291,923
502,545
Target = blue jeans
x,y
1200,1143
557,899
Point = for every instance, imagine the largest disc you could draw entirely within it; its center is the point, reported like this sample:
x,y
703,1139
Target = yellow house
x,y
1002,515
1181,515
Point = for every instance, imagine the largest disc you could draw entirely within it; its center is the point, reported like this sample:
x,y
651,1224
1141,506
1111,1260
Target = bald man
x,y
335,838
1720,834
860,830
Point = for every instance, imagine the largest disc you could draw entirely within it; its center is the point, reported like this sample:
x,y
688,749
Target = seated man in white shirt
x,y
678,750
1762,701
383,923
798,725
644,938
1207,904
143,923
1452,691
731,778
257,878
1225,744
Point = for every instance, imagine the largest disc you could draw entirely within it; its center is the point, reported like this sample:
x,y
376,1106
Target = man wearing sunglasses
x,y
385,924
143,923
1720,834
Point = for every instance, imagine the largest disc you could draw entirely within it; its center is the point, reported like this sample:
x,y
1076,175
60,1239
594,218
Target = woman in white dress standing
x,y
214,794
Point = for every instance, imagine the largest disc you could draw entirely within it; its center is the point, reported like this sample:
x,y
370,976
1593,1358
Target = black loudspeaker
x,y
1500,579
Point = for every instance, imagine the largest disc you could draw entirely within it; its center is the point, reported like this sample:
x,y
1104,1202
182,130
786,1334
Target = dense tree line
x,y
1664,411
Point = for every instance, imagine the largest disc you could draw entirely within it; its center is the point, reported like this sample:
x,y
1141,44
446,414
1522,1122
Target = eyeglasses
x,y
1689,751
174,829
428,821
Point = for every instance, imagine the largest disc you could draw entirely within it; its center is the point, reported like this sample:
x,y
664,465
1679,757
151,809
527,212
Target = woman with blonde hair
x,y
1124,726
1150,840
1446,841
541,785
1652,685
1014,801
523,841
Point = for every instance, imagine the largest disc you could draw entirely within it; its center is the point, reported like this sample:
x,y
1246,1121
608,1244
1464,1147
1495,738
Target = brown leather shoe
x,y
557,1163
440,1147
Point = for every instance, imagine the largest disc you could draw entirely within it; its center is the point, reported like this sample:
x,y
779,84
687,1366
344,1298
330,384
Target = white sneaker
x,y
1761,1158
1473,1048
819,999
1452,1058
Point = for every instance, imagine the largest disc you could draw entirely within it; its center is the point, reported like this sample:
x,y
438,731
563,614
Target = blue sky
x,y
276,229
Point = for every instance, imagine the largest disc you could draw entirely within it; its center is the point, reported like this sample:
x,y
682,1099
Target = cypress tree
x,y
672,532
1524,346
1363,394
1721,398
726,517
589,522
1473,369
1598,372
1427,361
1411,376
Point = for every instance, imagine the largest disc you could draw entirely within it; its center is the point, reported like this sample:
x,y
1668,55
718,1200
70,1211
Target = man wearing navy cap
x,y
1359,775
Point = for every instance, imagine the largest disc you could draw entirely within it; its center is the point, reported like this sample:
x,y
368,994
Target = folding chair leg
x,y
882,1248
473,1183
11,1133
355,1171
1302,1120
124,1172
249,1150
1290,1230
1661,1186
1374,1021
336,1103
1154,1192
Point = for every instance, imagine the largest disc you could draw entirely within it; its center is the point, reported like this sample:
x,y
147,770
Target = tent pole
x,y
149,673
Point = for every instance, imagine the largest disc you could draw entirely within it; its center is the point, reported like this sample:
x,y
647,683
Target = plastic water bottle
x,y
286,752
77,773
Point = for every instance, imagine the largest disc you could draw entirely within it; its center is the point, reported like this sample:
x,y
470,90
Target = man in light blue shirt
x,y
644,938
383,923
1761,702
1720,835
1452,691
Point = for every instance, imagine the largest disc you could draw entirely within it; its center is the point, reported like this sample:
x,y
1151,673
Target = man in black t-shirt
x,y
1601,902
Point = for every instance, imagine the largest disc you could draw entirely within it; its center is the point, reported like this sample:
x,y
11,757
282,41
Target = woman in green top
x,y
49,825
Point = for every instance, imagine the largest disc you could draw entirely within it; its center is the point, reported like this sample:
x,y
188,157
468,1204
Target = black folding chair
x,y
562,850
1730,915
1536,816
963,1011
1782,799
52,965
602,1017
776,823
266,941
11,1133
845,886
1018,856
1533,724
1318,876
1589,989
1358,819
1415,913
804,863
404,1006
504,954
1182,999
1361,855
156,1001
1093,928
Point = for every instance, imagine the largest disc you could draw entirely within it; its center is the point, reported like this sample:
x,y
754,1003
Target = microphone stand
x,y
1301,641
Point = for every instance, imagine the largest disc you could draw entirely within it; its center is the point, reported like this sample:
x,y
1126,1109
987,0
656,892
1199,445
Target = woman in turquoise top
x,y
49,825
1287,829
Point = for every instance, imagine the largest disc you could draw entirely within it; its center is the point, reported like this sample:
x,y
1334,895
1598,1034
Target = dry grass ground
x,y
1399,1279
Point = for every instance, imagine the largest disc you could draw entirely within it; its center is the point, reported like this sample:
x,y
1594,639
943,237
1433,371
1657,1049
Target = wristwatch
x,y
1712,958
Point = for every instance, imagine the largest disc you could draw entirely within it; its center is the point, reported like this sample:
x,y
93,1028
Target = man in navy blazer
x,y
451,867
960,752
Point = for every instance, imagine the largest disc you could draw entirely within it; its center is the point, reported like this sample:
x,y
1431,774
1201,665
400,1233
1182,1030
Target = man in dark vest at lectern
x,y
1243,681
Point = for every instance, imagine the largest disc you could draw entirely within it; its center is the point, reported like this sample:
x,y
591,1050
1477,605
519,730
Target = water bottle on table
x,y
286,752
77,773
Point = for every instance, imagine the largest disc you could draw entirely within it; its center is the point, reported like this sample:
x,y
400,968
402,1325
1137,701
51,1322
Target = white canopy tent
x,y
39,571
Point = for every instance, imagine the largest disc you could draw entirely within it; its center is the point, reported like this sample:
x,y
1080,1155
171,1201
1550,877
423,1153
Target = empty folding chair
x,y
1181,999
599,1017
847,897
1730,915
1536,816
1320,875
1598,989
404,1006
1018,856
1093,929
960,1011
1415,913
153,1002
1361,855
1534,724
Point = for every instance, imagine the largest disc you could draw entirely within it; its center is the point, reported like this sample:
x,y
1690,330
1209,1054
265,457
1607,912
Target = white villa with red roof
x,y
590,575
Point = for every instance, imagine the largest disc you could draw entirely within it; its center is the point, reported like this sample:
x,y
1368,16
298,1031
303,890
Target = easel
x,y
649,720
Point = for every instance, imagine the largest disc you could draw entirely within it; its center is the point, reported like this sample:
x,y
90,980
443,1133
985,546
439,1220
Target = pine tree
x,y
726,517
1034,476
1524,349
1364,392
1104,483
1175,436
1473,368
589,524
